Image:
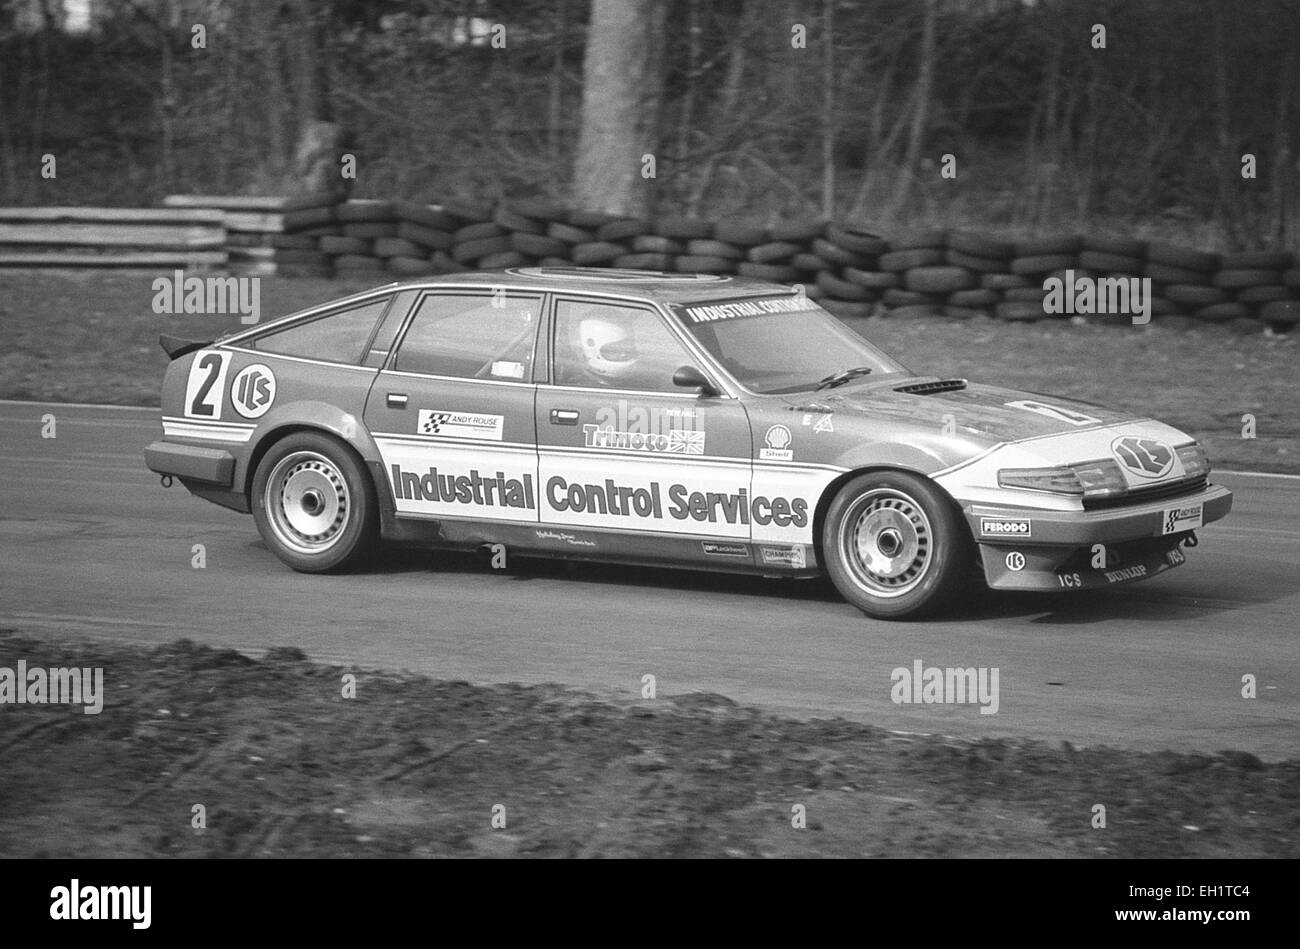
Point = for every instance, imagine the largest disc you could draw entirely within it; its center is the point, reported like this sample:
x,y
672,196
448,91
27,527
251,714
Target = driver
x,y
608,349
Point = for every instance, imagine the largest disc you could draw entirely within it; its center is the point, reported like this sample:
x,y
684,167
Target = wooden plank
x,y
113,215
251,222
236,202
200,258
162,237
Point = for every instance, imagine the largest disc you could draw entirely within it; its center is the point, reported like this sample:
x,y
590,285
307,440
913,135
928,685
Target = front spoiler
x,y
1064,550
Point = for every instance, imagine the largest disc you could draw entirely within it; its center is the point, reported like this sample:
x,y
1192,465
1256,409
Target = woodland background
x,y
562,98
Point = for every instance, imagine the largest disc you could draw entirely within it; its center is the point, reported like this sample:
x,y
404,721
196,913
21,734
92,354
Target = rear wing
x,y
177,346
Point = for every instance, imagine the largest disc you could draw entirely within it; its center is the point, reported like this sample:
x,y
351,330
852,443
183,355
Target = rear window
x,y
337,337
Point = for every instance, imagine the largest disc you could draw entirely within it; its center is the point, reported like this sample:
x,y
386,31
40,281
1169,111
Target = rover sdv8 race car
x,y
668,419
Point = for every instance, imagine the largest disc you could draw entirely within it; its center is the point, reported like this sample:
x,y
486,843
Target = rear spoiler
x,y
177,346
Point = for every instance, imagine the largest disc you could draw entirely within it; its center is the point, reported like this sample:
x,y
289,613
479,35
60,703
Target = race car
x,y
683,420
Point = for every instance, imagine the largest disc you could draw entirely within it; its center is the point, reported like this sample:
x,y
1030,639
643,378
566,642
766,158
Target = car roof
x,y
648,285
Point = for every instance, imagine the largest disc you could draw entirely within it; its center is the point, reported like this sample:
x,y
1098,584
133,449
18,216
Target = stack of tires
x,y
853,271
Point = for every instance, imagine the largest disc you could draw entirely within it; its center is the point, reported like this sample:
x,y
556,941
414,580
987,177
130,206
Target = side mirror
x,y
690,377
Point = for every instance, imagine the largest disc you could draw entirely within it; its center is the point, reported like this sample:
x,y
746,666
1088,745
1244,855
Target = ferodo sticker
x,y
1177,519
1053,411
1006,527
253,391
206,383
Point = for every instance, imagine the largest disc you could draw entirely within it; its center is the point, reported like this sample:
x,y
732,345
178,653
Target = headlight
x,y
1195,461
1090,479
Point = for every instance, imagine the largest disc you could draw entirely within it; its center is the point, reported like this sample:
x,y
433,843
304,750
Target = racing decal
x,y
783,557
745,308
703,511
1135,572
1015,561
1175,519
206,383
676,440
777,440
1175,557
1054,411
819,423
562,537
492,490
480,481
253,391
471,425
726,550
1145,457
213,431
1006,527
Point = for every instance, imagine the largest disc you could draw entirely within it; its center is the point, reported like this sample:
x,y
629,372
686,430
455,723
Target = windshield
x,y
783,344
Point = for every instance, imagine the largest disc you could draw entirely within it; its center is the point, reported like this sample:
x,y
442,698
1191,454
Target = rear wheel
x,y
895,545
314,504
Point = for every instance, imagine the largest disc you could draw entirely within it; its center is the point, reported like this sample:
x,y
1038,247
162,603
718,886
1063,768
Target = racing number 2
x,y
204,388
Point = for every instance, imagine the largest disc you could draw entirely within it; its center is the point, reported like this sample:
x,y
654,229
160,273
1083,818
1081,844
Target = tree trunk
x,y
921,113
622,79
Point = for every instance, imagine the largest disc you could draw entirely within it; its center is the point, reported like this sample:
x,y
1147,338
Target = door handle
x,y
564,417
397,400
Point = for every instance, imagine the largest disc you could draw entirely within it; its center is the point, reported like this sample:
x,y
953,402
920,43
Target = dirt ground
x,y
283,765
82,337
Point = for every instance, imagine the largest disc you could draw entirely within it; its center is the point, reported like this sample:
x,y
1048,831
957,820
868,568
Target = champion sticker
x,y
783,556
777,440
483,428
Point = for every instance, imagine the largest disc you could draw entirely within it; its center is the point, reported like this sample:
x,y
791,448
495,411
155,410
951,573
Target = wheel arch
x,y
833,488
273,436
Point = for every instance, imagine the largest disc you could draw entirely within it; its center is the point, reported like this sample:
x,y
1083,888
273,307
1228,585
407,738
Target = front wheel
x,y
895,545
314,504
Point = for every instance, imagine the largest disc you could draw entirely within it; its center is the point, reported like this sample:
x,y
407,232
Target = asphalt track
x,y
91,546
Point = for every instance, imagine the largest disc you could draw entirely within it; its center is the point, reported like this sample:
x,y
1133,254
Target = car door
x,y
451,411
629,464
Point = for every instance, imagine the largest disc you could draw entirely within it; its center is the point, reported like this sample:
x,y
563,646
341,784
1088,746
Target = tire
x,y
775,252
899,260
654,244
1048,246
872,279
1237,279
428,237
1043,264
982,265
980,245
1103,262
856,240
778,273
931,239
660,262
309,470
895,546
1258,260
938,279
569,234
622,229
601,252
513,221
1281,312
698,263
684,228
798,230
740,233
714,248
1185,257
365,211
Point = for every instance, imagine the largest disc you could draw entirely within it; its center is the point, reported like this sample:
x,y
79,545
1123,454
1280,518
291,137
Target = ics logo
x,y
1145,457
253,391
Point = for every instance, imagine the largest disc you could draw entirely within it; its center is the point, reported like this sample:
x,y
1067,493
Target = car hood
x,y
980,413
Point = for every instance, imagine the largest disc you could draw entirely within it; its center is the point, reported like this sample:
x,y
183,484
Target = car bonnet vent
x,y
930,388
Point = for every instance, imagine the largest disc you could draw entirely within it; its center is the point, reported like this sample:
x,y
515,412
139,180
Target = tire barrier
x,y
846,266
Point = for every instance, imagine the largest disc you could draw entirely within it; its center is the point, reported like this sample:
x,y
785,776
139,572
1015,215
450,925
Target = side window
x,y
471,336
338,337
606,345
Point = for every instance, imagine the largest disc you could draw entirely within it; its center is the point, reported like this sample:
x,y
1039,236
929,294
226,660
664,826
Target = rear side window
x,y
338,337
478,336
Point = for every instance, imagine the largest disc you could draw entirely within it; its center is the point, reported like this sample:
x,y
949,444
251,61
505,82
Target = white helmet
x,y
607,347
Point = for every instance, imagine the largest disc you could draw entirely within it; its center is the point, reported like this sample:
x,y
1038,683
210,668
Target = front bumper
x,y
1031,549
189,463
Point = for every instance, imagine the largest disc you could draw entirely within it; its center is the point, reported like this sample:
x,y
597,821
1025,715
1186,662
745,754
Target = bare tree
x,y
622,86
